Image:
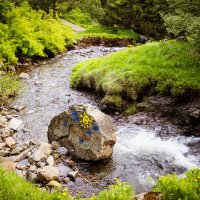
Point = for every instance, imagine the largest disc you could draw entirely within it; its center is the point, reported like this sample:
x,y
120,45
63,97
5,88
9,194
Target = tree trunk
x,y
54,8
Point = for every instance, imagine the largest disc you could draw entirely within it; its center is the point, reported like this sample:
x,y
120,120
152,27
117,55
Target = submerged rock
x,y
87,132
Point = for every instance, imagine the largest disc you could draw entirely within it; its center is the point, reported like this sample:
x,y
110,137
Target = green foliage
x,y
182,17
107,32
168,68
119,191
28,34
140,16
76,16
16,188
9,85
175,188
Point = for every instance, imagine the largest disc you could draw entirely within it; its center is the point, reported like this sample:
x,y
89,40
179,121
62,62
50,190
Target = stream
x,y
140,154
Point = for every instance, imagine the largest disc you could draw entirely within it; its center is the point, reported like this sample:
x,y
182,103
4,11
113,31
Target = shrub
x,y
28,34
175,188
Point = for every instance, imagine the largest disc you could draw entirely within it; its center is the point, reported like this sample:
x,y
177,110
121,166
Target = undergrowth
x,y
16,188
167,68
9,86
175,188
27,34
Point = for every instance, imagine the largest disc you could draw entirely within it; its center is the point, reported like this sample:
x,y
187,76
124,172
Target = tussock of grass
x,y
168,68
9,86
16,188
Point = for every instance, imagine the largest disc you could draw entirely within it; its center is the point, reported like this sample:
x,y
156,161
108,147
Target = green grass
x,y
9,86
16,188
106,32
167,68
175,188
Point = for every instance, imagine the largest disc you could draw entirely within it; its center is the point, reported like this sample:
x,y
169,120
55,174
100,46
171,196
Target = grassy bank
x,y
167,68
106,32
15,188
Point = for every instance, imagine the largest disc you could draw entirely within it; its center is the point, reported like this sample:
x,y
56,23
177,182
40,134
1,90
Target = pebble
x,y
10,141
73,174
50,161
66,180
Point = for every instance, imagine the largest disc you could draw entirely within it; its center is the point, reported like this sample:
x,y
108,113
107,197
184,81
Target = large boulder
x,y
87,132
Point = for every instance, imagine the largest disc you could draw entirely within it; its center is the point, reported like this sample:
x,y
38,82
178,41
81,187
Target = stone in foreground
x,y
88,133
16,124
48,173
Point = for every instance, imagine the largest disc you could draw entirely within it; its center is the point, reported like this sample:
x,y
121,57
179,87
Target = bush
x,y
174,188
29,34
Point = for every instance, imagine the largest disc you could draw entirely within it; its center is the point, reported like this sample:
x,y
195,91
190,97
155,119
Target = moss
x,y
131,110
113,100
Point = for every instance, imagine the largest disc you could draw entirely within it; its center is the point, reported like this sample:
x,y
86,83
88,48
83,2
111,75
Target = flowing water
x,y
140,154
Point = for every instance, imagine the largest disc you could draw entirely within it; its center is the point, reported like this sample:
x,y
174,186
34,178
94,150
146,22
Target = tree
x,y
140,15
182,17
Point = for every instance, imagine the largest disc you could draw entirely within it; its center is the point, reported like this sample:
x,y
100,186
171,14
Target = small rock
x,y
41,164
18,108
24,76
50,161
32,168
25,130
6,132
10,141
41,153
28,154
62,151
3,119
23,155
54,184
66,180
2,125
55,145
2,145
9,166
48,173
16,124
32,177
73,174
4,153
16,150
